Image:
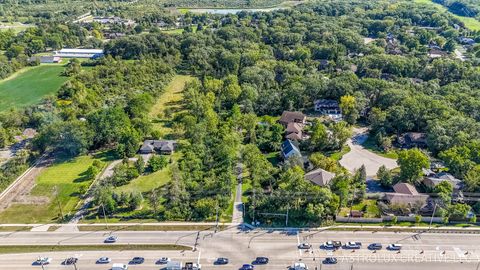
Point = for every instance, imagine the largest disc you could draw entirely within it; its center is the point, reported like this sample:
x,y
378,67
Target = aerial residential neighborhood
x,y
240,134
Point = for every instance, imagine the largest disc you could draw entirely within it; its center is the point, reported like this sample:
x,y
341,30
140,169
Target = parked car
x,y
304,246
261,260
375,246
330,260
43,260
163,260
394,247
104,260
111,239
71,260
137,260
353,245
247,267
221,261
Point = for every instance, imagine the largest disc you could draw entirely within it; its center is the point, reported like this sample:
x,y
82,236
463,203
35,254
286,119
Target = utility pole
x,y
75,265
105,216
55,191
253,204
286,217
216,219
433,214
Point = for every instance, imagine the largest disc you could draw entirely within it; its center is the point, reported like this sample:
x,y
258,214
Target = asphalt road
x,y
440,251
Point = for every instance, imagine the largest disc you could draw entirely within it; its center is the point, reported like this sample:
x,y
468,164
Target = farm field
x,y
28,86
68,178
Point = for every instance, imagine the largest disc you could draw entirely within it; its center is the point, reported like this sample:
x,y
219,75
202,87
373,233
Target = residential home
x,y
406,194
434,180
319,177
413,139
294,131
289,149
164,147
327,106
292,117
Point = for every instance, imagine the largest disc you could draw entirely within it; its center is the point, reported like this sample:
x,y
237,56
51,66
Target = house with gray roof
x,y
164,147
319,177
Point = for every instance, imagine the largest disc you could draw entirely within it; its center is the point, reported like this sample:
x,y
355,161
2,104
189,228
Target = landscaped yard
x,y
67,177
29,85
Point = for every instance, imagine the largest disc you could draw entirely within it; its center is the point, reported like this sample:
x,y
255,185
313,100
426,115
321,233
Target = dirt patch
x,y
28,199
24,184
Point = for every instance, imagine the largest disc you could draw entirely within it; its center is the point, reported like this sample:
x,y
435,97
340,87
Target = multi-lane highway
x,y
424,251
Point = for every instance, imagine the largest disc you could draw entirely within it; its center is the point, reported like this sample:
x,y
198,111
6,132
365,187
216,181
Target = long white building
x,y
79,53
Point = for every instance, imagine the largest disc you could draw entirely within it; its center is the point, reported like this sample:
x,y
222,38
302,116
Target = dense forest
x,y
374,56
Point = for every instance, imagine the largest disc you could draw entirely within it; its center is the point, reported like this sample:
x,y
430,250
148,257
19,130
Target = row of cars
x,y
350,245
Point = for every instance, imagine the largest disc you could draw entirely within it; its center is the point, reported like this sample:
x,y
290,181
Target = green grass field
x,y
470,23
147,182
29,85
67,177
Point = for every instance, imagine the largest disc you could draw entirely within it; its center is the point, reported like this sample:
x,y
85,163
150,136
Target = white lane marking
x,y
199,255
459,252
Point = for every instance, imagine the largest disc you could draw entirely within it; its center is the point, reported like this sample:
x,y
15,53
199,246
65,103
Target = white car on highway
x,y
299,266
353,245
104,260
394,247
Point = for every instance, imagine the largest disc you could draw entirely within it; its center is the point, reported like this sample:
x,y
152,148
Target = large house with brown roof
x,y
292,117
406,194
433,180
294,123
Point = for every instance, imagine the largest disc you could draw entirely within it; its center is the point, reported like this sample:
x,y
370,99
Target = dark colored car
x,y
221,261
137,260
261,260
247,267
70,261
375,246
330,260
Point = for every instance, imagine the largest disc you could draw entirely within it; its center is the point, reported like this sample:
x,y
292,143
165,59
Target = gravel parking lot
x,y
359,156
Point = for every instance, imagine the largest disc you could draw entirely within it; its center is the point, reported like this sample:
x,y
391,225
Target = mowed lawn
x,y
30,85
67,177
147,182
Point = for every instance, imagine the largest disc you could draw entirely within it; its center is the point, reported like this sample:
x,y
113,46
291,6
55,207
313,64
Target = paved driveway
x,y
359,156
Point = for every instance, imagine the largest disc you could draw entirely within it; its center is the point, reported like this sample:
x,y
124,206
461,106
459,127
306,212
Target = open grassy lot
x,y
470,23
29,85
147,182
67,177
369,207
15,26
168,104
